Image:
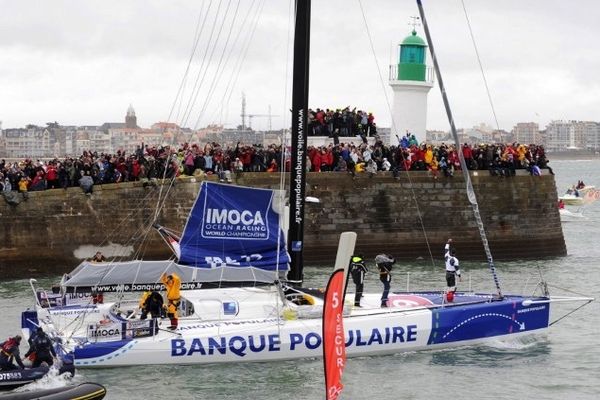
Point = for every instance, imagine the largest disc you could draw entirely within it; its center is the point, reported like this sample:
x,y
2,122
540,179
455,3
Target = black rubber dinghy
x,y
19,377
85,391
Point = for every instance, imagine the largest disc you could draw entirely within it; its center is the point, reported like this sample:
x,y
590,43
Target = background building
x,y
526,133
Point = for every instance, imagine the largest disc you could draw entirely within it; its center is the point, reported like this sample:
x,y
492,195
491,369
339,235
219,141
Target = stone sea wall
x,y
53,230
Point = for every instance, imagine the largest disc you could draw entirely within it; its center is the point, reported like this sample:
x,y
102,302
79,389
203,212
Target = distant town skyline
x,y
85,66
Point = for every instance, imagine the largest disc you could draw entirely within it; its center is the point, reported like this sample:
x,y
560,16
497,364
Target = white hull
x,y
258,328
572,200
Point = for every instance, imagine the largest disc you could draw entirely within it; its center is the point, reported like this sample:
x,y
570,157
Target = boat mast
x,y
299,138
463,164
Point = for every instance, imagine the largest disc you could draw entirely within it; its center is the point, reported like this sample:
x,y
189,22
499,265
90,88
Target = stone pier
x,y
53,230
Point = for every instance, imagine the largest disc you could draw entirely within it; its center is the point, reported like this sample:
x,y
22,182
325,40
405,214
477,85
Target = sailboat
x,y
242,296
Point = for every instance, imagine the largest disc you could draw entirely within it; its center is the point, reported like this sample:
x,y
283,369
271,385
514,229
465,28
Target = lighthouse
x,y
411,80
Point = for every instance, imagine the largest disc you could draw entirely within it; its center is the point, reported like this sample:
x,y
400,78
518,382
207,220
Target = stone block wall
x,y
53,230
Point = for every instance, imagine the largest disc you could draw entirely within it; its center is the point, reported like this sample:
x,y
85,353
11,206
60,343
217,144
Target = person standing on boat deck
x,y
358,269
452,270
10,351
151,302
172,283
384,262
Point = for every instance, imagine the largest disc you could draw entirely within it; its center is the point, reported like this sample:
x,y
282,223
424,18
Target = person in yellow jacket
x,y
152,303
172,283
23,184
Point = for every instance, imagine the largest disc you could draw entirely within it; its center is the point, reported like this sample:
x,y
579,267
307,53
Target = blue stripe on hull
x,y
101,350
496,318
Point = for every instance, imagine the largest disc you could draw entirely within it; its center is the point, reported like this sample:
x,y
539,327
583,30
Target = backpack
x,y
385,267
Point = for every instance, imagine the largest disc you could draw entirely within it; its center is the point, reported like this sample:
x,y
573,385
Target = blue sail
x,y
234,226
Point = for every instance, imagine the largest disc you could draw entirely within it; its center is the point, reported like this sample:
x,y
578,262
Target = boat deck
x,y
416,300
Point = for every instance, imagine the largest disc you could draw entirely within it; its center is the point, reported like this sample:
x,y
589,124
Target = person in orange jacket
x,y
172,283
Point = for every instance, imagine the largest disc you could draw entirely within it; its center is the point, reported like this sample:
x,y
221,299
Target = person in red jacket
x,y
9,351
468,155
51,176
38,182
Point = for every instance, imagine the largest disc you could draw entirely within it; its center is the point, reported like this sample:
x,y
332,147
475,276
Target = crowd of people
x,y
152,162
341,122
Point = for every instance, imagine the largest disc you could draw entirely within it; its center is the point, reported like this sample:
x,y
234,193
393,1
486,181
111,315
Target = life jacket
x,y
145,296
7,346
357,264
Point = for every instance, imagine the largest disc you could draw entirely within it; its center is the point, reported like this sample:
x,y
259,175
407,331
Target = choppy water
x,y
562,364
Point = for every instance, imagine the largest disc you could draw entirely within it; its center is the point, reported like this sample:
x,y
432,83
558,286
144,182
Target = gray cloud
x,y
84,62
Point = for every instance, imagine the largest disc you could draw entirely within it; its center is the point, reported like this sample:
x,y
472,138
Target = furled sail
x,y
235,226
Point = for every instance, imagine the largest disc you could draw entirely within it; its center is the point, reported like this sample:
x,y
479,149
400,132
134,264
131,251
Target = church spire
x,y
130,118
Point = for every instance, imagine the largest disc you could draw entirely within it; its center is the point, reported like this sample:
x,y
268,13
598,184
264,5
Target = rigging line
x,y
566,290
465,172
246,47
569,313
192,99
121,258
185,116
233,47
162,198
218,114
206,62
125,219
218,72
146,232
286,112
487,89
387,100
179,96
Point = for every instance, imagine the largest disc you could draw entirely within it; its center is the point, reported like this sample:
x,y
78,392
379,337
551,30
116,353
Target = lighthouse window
x,y
411,54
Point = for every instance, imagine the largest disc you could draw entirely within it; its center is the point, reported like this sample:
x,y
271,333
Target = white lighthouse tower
x,y
411,80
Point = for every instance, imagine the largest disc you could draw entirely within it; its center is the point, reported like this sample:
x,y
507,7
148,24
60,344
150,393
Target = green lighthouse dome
x,y
413,40
411,65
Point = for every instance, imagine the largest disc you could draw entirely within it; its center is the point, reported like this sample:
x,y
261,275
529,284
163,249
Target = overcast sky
x,y
84,62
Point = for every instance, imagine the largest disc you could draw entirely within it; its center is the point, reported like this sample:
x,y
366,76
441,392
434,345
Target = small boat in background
x,y
580,194
571,199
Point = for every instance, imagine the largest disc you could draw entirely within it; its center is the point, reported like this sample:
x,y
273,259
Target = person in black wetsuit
x,y
153,305
41,345
358,269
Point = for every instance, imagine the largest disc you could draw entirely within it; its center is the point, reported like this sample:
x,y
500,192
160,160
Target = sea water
x,y
563,363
